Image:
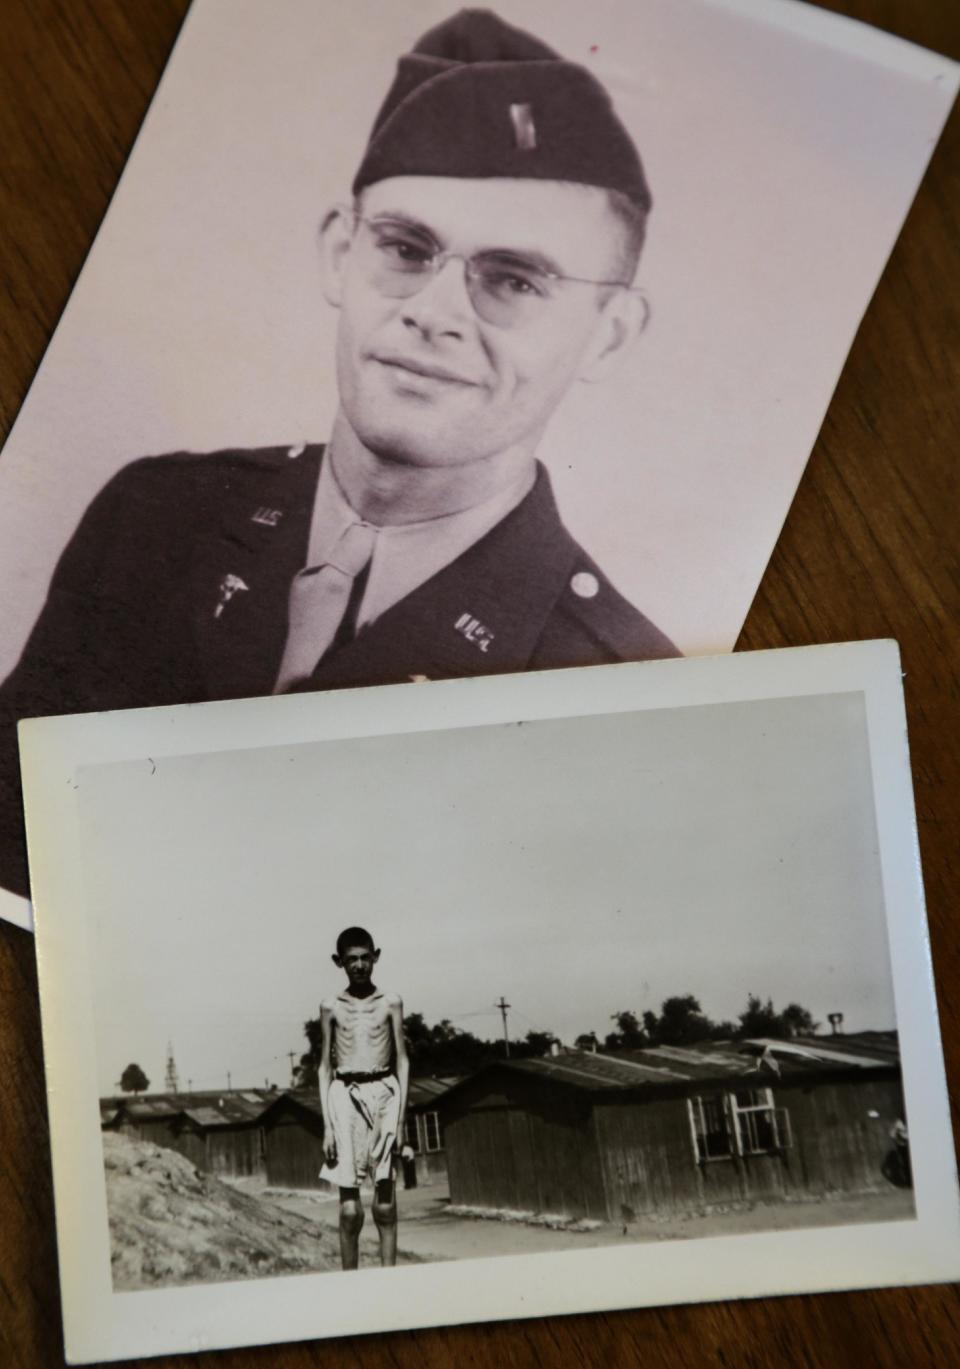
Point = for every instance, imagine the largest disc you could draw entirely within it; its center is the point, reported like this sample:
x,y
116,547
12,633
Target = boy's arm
x,y
325,1078
403,1060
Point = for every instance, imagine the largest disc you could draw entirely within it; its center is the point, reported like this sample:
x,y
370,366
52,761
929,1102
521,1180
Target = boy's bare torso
x,y
362,1032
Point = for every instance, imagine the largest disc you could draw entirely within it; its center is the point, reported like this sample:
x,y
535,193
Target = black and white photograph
x,y
421,343
614,981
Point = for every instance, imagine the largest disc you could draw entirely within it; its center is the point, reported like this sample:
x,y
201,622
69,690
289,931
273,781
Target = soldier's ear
x,y
335,235
623,317
337,961
376,956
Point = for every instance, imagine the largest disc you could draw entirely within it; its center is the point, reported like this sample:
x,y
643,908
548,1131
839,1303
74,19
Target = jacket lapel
x,y
480,615
241,574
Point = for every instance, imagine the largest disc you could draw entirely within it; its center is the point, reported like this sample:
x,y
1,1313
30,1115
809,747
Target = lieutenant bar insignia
x,y
524,129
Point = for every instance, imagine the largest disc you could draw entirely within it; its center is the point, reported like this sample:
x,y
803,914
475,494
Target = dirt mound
x,y
172,1224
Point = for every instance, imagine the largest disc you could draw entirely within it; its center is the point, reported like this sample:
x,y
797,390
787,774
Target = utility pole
x,y
229,1084
293,1076
503,1005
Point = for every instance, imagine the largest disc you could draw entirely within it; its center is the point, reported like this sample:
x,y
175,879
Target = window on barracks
x,y
710,1126
434,1131
411,1134
741,1122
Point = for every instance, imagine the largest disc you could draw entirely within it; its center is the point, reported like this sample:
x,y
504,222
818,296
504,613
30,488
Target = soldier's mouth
x,y
424,370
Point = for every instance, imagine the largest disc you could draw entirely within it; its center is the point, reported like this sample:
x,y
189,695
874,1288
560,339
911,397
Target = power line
x,y
529,1021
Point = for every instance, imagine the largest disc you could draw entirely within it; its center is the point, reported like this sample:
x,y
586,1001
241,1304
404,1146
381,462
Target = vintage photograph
x,y
503,947
614,979
422,342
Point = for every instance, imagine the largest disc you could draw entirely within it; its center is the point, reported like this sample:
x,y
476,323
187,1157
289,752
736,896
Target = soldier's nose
x,y
442,307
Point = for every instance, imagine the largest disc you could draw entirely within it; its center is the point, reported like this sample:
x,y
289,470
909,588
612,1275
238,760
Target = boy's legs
x,y
351,1221
385,1216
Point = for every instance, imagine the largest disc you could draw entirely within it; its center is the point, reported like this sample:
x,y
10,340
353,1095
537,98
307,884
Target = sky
x,y
575,866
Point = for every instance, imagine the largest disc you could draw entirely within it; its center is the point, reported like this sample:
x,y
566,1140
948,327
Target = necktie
x,y
318,600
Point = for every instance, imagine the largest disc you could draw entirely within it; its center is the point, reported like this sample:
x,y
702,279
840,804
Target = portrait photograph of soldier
x,y
393,333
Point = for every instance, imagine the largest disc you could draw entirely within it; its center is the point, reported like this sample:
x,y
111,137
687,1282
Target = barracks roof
x,y
224,1107
423,1092
233,1107
716,1062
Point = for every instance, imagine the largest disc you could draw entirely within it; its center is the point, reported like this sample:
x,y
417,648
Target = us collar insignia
x,y
229,586
474,631
268,517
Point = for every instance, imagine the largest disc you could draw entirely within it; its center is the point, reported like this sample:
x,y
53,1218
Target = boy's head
x,y
356,954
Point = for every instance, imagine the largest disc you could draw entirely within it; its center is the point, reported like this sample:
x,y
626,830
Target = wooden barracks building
x,y
670,1130
585,1134
238,1132
293,1136
218,1132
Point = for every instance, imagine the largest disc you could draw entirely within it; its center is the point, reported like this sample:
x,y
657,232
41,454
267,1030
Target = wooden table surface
x,y
869,550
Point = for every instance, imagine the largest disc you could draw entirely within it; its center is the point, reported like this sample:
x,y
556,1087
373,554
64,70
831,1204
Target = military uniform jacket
x,y
174,589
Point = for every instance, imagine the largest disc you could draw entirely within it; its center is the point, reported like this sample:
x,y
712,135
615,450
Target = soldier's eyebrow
x,y
385,216
529,257
521,256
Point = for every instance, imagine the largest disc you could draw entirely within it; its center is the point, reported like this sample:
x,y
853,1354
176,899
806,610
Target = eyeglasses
x,y
398,258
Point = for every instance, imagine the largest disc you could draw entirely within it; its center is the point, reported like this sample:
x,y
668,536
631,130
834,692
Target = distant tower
x,y
836,1022
172,1082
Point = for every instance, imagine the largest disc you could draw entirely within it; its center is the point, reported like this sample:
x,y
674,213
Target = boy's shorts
x,y
365,1118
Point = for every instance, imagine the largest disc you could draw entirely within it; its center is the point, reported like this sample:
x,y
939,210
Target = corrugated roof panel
x,y
307,1099
813,1051
566,1072
431,1086
207,1117
879,1045
696,1057
588,1070
696,1064
153,1109
646,1061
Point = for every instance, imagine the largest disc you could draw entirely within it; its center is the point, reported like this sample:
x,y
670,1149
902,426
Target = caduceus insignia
x,y
229,586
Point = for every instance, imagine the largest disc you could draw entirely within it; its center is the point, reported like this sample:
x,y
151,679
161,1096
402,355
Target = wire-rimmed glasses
x,y
506,289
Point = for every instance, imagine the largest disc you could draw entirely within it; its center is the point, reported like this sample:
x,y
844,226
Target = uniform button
x,y
585,585
296,450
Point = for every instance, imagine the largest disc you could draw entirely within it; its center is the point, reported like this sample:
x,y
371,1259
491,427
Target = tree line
x,y
443,1049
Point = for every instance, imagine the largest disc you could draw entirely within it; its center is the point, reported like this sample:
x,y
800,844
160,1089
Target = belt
x,y
363,1078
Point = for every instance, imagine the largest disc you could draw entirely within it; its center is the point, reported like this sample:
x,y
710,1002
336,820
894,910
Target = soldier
x,y
484,266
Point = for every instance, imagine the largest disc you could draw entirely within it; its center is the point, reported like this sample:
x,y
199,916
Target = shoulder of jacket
x,y
181,476
227,459
592,604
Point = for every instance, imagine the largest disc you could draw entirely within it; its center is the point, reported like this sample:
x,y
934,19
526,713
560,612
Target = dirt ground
x,y
429,1231
171,1224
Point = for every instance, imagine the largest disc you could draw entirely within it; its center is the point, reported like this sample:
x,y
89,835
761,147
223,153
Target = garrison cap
x,y
477,97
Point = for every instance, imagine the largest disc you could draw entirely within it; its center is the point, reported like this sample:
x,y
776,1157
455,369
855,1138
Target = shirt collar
x,y
405,555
